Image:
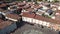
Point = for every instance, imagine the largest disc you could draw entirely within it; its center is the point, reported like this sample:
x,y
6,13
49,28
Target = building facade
x,y
31,18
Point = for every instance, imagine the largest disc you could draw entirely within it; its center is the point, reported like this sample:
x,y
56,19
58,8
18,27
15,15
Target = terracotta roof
x,y
26,6
29,9
39,12
38,17
30,15
3,5
1,9
37,6
13,16
57,17
4,24
12,3
31,3
1,20
4,11
58,11
21,4
46,19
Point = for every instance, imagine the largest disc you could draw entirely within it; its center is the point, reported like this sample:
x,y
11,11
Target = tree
x,y
56,1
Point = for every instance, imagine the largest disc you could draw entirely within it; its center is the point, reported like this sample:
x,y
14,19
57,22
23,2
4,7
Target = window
x,y
24,18
44,23
29,20
37,22
40,22
34,20
47,24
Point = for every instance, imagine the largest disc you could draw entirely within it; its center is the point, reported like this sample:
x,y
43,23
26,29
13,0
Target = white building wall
x,y
58,7
34,20
40,22
24,18
48,24
37,22
44,23
29,20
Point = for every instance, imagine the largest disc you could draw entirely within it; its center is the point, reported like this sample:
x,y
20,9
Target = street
x,y
27,27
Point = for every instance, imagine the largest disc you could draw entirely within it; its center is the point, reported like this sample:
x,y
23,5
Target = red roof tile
x,y
25,14
1,20
37,6
58,11
21,4
4,24
13,16
38,17
29,9
27,6
3,5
